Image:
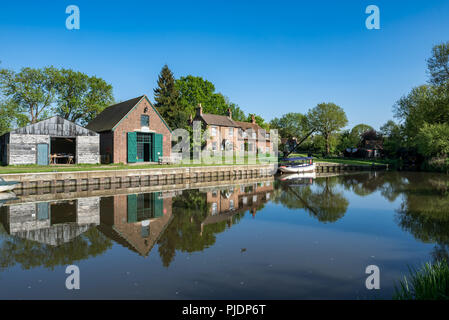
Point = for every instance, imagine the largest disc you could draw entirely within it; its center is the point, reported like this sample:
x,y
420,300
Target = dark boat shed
x,y
54,140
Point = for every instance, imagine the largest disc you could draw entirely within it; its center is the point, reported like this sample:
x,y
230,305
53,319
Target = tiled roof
x,y
217,120
112,115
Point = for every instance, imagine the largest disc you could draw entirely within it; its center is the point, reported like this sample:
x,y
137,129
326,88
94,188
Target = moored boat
x,y
297,165
8,185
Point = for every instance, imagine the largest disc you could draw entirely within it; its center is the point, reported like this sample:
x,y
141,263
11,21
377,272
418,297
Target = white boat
x,y
5,196
298,176
8,185
297,165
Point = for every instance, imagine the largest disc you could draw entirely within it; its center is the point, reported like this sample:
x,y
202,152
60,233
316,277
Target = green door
x,y
132,208
132,147
158,205
42,154
157,147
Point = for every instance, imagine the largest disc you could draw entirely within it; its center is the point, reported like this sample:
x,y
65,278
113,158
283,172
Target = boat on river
x,y
8,185
297,165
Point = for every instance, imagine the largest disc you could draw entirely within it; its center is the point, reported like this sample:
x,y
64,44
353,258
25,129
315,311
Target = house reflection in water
x,y
52,223
225,203
136,221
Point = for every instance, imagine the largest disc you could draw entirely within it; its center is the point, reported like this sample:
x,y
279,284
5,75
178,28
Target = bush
x,y
431,282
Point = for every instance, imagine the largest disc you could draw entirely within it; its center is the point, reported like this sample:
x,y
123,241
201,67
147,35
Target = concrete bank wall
x,y
151,176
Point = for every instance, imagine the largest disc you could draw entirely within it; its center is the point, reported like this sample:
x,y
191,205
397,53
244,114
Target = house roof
x,y
55,126
112,115
248,125
217,120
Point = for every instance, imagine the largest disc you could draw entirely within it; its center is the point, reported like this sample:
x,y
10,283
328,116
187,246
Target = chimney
x,y
253,119
229,113
199,110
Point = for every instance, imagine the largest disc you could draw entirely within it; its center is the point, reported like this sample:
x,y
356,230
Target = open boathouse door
x,y
144,147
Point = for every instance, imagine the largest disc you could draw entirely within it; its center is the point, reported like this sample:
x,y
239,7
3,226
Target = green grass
x,y
119,166
431,282
346,160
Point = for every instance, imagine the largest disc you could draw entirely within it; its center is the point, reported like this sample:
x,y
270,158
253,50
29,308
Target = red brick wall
x,y
131,123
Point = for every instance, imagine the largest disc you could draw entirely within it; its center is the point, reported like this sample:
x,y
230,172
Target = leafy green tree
x,y
358,131
392,138
328,119
433,139
10,117
196,90
237,113
32,90
291,125
167,98
424,104
438,64
81,98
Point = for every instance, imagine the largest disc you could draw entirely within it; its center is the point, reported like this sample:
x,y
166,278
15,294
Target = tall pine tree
x,y
167,100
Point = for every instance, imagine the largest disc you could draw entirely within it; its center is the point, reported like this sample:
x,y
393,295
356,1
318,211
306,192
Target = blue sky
x,y
269,57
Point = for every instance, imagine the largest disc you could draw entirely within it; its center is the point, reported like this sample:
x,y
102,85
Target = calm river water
x,y
308,238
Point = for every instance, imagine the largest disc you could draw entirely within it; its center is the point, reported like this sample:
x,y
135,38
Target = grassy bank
x,y
349,160
120,166
431,282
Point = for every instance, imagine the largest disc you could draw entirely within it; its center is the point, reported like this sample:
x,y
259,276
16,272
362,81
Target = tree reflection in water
x,y
30,254
321,200
423,212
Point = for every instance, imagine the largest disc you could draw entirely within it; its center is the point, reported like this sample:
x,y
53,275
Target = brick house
x,y
228,134
261,143
132,131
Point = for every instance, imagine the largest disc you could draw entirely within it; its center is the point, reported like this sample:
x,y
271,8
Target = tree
x,y
438,64
32,90
167,103
327,118
196,90
237,113
81,98
291,125
433,140
358,131
10,117
424,104
392,138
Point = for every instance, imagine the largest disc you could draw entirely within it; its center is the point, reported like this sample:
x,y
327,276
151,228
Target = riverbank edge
x,y
161,175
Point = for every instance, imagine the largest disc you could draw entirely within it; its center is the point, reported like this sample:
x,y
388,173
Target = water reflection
x,y
321,199
60,232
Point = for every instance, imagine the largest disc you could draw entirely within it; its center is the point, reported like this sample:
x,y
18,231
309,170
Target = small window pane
x,y
144,121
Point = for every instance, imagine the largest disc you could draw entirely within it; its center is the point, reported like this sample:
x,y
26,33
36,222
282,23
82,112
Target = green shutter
x,y
158,205
157,147
132,146
132,208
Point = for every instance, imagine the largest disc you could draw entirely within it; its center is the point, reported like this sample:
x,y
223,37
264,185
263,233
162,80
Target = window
x,y
231,204
213,131
267,136
254,135
214,146
231,132
214,208
144,121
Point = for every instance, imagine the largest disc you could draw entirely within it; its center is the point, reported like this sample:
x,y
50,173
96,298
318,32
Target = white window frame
x,y
213,131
